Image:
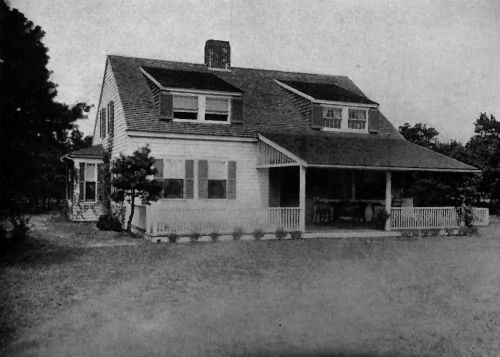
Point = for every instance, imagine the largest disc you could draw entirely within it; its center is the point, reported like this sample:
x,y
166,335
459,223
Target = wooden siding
x,y
251,184
110,93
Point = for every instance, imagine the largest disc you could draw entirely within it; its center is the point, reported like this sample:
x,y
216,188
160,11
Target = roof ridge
x,y
243,68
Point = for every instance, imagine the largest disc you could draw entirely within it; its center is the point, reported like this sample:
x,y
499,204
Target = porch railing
x,y
164,220
433,217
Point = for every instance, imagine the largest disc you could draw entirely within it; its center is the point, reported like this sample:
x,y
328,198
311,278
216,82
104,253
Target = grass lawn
x,y
78,291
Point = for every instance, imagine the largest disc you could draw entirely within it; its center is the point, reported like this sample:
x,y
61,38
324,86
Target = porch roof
x,y
91,152
345,150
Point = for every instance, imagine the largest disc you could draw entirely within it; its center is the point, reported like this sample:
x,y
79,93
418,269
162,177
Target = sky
x,y
436,62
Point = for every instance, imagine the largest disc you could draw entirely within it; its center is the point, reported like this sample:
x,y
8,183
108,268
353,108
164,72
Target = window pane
x,y
216,117
186,115
174,169
217,105
332,123
186,102
357,124
332,113
89,191
217,170
359,114
173,188
90,172
216,188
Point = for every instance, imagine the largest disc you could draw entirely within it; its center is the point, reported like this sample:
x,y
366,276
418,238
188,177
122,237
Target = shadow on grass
x,y
37,252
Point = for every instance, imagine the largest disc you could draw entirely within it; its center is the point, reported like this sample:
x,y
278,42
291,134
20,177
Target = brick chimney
x,y
218,55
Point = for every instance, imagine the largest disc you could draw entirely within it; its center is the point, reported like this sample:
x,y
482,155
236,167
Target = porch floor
x,y
346,230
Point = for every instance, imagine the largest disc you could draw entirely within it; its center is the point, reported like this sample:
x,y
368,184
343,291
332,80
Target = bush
x,y
258,234
280,233
296,235
194,237
107,222
380,219
172,237
238,232
214,236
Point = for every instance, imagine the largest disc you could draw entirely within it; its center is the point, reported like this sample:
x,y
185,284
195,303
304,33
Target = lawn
x,y
78,291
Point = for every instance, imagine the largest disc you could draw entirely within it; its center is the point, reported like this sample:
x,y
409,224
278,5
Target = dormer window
x,y
185,107
357,119
217,109
332,117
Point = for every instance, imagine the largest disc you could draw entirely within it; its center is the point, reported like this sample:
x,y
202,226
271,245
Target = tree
x,y
34,126
132,178
419,134
484,152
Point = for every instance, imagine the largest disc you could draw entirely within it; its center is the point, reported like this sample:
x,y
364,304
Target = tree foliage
x,y
133,178
34,126
419,134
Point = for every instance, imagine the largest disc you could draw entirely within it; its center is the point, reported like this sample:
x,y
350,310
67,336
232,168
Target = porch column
x,y
302,198
388,198
353,185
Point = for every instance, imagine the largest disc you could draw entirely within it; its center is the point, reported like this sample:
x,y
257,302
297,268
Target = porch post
x,y
302,198
388,198
353,185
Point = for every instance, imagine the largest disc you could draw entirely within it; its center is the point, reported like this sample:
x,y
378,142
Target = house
x,y
251,148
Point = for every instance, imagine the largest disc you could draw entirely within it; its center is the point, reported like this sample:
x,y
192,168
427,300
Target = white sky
x,y
436,62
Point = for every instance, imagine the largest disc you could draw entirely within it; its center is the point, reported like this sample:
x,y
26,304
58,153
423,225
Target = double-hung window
x,y
185,107
88,182
332,117
357,119
216,109
177,177
216,179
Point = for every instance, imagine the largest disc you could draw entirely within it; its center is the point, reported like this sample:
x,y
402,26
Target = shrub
x,y
194,236
280,233
108,222
214,236
296,235
258,234
380,219
172,237
238,232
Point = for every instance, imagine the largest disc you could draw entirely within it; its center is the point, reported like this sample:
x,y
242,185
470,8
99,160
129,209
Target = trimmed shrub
x,y
258,234
238,232
195,236
280,233
107,222
214,236
172,237
296,235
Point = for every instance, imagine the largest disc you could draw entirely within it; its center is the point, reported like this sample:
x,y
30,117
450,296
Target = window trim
x,y
202,108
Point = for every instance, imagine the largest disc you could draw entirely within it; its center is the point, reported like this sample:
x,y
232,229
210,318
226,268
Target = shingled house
x,y
252,148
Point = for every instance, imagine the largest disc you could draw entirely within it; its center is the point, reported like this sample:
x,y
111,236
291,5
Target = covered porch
x,y
338,186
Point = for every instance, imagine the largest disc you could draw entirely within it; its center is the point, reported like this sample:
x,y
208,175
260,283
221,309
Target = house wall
x,y
109,92
252,185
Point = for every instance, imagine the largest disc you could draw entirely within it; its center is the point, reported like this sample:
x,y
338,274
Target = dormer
x,y
334,108
194,97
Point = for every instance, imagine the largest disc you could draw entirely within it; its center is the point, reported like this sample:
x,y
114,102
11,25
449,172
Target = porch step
x,y
352,234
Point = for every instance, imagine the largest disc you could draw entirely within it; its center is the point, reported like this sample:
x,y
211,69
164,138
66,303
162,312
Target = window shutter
x,y
111,121
166,106
373,121
189,179
202,179
100,182
231,180
237,110
317,116
159,167
81,180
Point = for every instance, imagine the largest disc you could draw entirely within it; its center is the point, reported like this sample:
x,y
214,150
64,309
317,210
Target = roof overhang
x,y
325,102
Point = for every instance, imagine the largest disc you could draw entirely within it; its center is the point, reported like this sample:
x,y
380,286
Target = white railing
x,y
161,221
432,217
